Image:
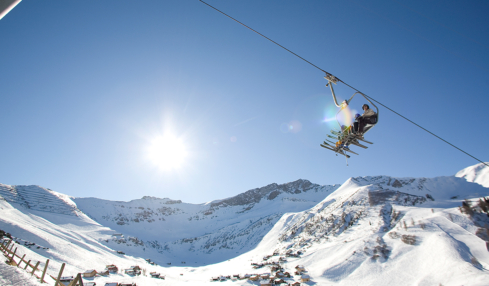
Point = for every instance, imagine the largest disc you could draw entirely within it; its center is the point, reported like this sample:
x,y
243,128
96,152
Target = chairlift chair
x,y
345,136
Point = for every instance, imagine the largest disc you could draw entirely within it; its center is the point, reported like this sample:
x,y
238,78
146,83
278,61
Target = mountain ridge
x,y
357,232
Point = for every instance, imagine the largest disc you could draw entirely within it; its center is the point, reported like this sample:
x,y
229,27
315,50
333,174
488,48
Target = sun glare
x,y
167,152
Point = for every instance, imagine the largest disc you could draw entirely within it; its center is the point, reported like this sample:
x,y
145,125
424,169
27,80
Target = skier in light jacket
x,y
368,117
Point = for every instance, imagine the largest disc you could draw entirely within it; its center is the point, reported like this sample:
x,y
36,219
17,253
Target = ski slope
x,y
349,234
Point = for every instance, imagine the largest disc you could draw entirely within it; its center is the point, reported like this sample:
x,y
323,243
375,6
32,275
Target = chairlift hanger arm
x,y
332,79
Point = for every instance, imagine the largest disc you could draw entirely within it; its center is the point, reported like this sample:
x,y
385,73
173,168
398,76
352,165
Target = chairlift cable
x,y
266,38
329,74
415,124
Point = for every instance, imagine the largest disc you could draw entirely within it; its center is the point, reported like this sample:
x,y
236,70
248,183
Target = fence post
x,y
11,247
77,279
35,268
59,274
27,264
13,255
21,260
8,246
44,272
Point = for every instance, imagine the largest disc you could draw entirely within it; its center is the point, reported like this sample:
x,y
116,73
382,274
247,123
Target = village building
x,y
104,272
111,284
112,268
254,277
90,284
133,270
279,274
265,276
155,275
66,280
244,276
265,283
295,284
305,278
279,281
127,284
300,268
89,273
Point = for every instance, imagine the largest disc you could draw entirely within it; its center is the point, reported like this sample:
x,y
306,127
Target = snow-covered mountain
x,y
217,230
478,174
368,231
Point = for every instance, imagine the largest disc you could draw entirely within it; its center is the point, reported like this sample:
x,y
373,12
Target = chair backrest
x,y
373,119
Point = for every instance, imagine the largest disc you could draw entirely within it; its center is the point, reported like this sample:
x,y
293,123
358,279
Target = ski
x,y
325,143
358,144
336,132
364,140
332,137
327,147
348,150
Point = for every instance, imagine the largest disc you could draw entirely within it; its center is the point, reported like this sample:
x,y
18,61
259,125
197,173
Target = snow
x,y
478,174
348,235
15,276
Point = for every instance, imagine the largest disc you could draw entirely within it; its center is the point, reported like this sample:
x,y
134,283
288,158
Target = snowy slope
x,y
478,174
354,236
202,233
348,235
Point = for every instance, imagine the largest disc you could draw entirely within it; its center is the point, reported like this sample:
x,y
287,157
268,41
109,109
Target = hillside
x,y
368,231
216,231
478,174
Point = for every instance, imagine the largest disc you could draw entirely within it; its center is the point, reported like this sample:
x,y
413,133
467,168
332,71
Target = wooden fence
x,y
6,248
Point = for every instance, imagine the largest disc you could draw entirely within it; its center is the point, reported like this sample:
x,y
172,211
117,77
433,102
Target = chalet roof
x,y
89,271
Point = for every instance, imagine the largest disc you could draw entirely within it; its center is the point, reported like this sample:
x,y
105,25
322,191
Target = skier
x,y
368,117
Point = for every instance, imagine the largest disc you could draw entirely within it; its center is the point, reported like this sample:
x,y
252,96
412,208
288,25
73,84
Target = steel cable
x,y
327,73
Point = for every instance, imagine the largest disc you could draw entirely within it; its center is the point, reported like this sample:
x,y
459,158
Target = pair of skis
x,y
349,139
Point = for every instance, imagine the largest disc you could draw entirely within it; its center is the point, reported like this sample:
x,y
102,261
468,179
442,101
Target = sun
x,y
167,152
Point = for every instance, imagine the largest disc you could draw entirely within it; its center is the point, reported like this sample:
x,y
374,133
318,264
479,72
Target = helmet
x,y
357,115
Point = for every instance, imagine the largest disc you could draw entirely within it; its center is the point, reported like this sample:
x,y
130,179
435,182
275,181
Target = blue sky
x,y
85,87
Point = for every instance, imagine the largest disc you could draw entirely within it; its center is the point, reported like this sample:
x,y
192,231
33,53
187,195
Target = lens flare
x,y
343,117
293,126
